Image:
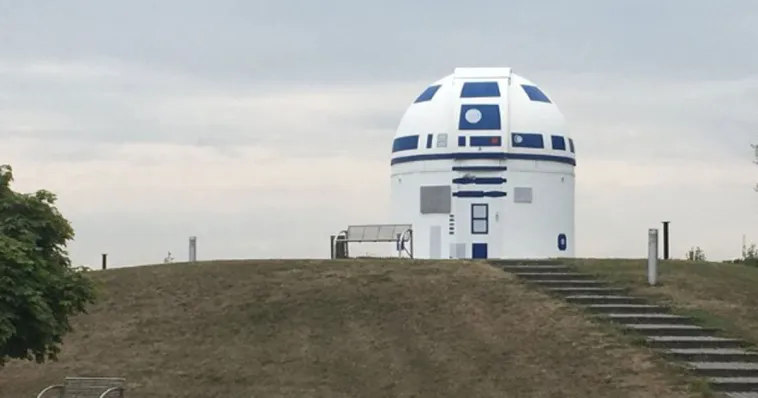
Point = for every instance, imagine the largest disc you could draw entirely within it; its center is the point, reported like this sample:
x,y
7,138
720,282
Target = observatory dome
x,y
482,166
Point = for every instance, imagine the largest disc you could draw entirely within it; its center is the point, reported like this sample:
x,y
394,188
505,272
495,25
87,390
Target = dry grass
x,y
721,295
353,328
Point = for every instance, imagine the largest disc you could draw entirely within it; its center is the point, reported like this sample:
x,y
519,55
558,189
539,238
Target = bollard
x,y
666,239
193,249
652,256
105,261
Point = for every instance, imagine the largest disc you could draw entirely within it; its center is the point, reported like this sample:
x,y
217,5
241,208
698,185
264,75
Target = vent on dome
x,y
535,94
428,94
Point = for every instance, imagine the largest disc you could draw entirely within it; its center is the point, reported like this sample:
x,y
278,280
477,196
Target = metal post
x,y
105,261
192,249
666,240
331,246
652,256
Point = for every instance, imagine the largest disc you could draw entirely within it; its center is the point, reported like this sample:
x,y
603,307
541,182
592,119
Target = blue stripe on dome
x,y
535,94
483,155
480,90
428,94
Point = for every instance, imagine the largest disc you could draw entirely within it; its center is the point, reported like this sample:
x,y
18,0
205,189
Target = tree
x,y
39,288
695,254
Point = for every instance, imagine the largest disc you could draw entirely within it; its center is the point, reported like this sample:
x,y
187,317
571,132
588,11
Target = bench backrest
x,y
376,232
92,387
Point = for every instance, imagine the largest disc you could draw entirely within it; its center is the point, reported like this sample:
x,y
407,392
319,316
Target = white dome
x,y
483,108
483,167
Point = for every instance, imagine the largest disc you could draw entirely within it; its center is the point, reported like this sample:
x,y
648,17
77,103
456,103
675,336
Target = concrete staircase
x,y
726,363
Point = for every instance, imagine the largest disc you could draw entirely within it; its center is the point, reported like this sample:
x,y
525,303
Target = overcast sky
x,y
263,127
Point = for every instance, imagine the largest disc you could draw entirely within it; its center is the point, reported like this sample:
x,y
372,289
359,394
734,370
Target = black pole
x,y
105,260
666,240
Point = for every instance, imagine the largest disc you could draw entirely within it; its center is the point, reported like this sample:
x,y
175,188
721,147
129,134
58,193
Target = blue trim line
x,y
406,143
480,168
480,90
479,194
485,140
480,180
535,94
484,155
428,94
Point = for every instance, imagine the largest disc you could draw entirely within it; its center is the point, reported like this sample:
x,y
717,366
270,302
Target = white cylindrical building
x,y
483,167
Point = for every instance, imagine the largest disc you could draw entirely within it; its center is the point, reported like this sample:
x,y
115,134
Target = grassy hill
x,y
352,328
723,295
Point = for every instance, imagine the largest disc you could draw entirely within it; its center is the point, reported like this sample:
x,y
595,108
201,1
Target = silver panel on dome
x,y
522,195
436,199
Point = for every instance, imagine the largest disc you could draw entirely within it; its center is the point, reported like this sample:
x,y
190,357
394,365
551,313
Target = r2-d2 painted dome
x,y
483,167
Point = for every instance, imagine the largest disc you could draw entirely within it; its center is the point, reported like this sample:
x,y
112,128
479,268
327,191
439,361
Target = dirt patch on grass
x,y
357,328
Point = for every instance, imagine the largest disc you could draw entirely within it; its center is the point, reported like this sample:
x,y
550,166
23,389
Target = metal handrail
x,y
50,388
112,389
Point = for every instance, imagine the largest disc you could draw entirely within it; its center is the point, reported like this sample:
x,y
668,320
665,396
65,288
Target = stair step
x,y
724,369
693,342
609,299
670,329
741,394
535,268
625,308
553,275
734,384
568,282
712,354
649,318
585,290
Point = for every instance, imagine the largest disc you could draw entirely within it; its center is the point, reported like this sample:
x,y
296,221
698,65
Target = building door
x,y
479,250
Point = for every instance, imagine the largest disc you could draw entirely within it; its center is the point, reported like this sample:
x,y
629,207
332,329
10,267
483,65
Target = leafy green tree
x,y
39,288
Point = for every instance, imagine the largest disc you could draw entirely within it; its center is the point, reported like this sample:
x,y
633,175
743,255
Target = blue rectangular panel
x,y
479,194
479,180
461,141
527,140
428,94
558,142
480,90
535,94
406,143
429,139
479,117
479,250
486,140
571,145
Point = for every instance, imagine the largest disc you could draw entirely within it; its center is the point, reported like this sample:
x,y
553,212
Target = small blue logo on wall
x,y
479,117
562,242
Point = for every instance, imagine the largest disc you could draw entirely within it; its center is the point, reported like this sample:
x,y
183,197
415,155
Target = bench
x,y
86,387
398,233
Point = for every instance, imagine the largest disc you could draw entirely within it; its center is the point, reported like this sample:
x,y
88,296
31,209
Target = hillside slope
x,y
353,328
